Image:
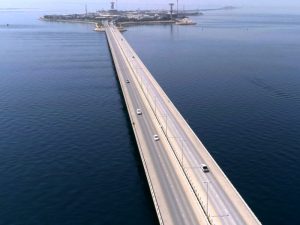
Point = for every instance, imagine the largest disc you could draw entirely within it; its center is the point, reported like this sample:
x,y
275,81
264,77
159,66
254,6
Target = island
x,y
123,18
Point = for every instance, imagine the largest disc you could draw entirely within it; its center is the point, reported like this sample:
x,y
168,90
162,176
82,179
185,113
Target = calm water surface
x,y
68,154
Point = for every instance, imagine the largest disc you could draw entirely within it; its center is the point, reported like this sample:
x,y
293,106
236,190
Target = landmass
x,y
132,17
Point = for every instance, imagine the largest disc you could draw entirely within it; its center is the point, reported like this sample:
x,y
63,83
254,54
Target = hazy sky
x,y
134,4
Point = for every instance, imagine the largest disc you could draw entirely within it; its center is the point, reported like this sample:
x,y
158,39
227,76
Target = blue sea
x,y
67,152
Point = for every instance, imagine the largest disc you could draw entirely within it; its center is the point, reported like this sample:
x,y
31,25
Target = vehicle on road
x,y
127,81
155,137
204,168
139,111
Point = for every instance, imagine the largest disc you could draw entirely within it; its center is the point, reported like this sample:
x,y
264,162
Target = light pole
x,y
155,105
137,74
182,152
146,84
142,83
141,80
147,91
178,152
166,124
206,182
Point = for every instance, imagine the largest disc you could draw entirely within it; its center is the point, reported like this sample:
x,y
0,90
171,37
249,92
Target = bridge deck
x,y
181,192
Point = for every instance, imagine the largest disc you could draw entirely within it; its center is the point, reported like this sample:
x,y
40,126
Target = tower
x,y
171,10
112,6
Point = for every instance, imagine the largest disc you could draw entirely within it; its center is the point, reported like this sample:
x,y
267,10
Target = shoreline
x,y
132,23
68,21
129,23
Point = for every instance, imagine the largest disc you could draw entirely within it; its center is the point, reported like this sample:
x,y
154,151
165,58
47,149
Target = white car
x,y
204,168
127,81
155,137
139,111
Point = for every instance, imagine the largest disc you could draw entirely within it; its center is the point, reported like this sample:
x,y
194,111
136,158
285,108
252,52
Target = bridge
x,y
172,154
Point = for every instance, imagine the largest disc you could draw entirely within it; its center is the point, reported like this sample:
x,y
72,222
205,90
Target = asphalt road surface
x,y
181,203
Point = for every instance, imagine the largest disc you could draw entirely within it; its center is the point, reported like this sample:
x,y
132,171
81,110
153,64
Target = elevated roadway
x,y
173,197
181,191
